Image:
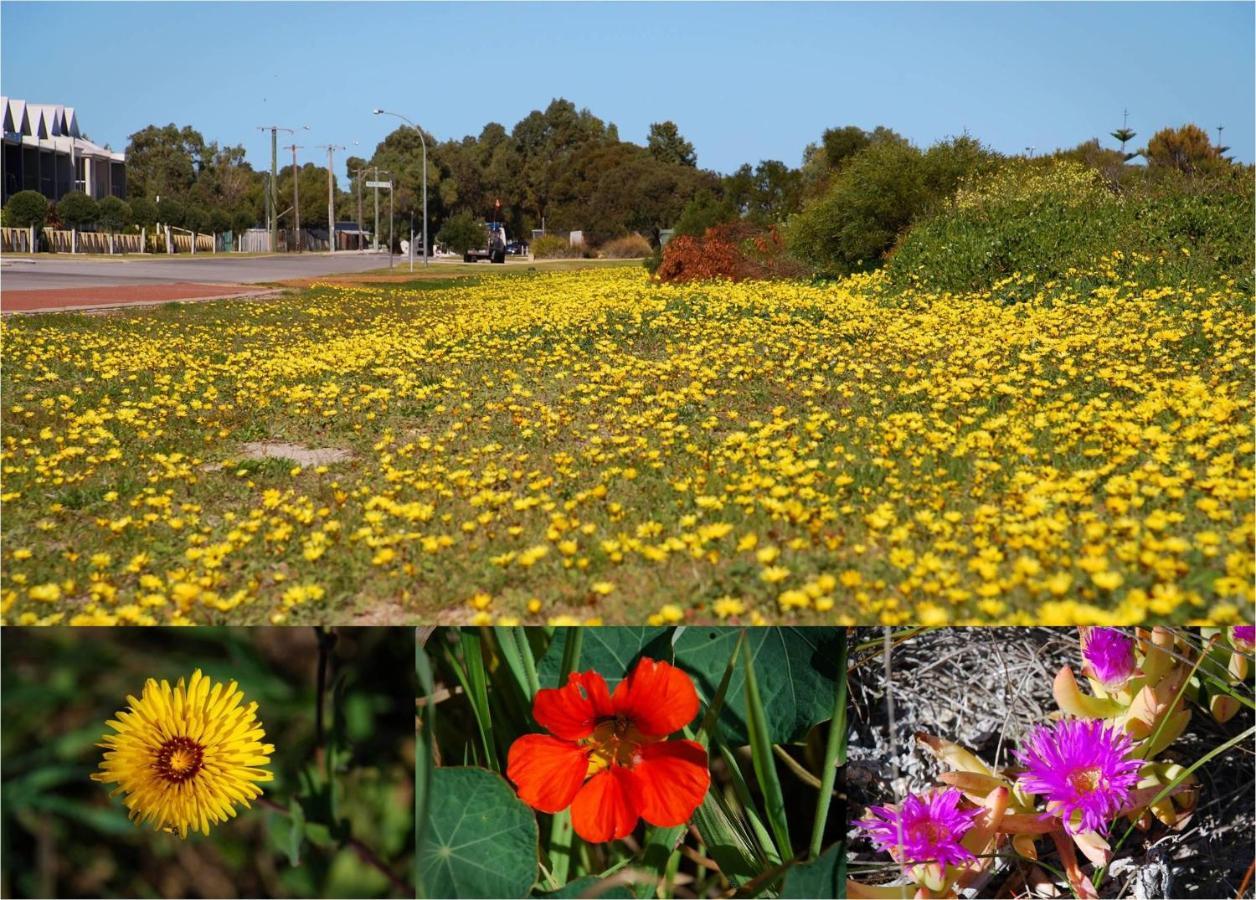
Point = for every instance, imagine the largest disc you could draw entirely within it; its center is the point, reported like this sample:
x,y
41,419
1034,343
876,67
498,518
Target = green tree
x,y
163,161
115,214
462,232
26,208
77,210
766,194
666,144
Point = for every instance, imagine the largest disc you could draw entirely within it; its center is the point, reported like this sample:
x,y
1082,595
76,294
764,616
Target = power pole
x,y
296,197
272,191
331,197
357,177
375,233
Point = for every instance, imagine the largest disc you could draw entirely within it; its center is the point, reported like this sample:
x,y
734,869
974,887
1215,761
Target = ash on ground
x,y
984,688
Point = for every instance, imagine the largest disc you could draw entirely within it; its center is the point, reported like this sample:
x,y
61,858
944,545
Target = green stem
x,y
761,753
834,750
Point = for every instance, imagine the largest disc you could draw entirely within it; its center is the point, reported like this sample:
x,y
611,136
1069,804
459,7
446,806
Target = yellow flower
x,y
48,593
183,757
728,606
1107,579
602,587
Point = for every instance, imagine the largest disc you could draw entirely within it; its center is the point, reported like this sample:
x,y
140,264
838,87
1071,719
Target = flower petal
x,y
572,711
670,779
605,809
548,772
658,697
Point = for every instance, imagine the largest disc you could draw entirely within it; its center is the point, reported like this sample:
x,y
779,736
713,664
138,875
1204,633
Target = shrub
x,y
634,246
144,212
171,212
115,214
26,208
737,251
704,211
77,210
551,246
1034,221
462,232
879,191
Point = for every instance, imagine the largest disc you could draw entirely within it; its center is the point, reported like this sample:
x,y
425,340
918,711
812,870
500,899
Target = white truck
x,y
495,247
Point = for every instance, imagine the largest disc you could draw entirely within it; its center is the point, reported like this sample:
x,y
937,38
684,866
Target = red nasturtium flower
x,y
606,755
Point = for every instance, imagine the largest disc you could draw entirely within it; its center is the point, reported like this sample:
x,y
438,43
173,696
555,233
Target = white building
x,y
44,151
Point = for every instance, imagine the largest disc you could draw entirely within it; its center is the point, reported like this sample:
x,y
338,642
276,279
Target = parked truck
x,y
494,249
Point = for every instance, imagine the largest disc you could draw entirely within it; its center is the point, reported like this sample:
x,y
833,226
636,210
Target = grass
x,y
552,447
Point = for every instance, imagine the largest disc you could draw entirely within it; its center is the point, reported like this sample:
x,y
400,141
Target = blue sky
x,y
743,81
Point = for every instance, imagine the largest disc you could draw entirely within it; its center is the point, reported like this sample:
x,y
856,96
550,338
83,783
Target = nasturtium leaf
x,y
481,840
796,668
588,886
817,879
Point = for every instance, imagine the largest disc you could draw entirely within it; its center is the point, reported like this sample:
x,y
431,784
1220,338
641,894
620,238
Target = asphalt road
x,y
27,274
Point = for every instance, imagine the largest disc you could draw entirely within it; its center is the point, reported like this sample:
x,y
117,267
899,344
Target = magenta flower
x,y
932,825
1080,766
1109,652
1244,637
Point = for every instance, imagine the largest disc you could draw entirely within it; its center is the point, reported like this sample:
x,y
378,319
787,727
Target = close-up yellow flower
x,y
185,756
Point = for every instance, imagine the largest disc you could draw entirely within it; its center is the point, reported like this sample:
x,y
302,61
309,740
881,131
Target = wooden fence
x,y
15,240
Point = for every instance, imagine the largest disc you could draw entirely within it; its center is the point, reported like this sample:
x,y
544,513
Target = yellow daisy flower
x,y
184,756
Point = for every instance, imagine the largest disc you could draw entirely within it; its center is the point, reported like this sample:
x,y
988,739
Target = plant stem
x,y
365,853
834,749
761,753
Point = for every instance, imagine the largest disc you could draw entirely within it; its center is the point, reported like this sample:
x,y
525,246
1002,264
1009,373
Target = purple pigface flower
x,y
1081,766
1244,637
932,825
1109,653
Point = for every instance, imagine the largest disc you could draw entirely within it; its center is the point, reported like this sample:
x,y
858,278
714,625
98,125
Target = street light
x,y
383,112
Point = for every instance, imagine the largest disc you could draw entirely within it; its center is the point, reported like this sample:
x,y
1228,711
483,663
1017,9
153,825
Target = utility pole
x,y
272,190
331,197
375,233
296,197
357,178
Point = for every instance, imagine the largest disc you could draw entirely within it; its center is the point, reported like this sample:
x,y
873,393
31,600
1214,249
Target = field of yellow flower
x,y
591,446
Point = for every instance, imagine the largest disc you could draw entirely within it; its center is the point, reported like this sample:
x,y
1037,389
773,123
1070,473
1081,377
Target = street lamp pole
x,y
422,139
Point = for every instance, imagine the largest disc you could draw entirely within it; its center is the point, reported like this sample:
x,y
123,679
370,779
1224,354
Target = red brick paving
x,y
53,299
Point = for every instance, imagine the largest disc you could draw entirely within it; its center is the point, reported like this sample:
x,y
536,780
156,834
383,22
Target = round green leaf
x,y
481,840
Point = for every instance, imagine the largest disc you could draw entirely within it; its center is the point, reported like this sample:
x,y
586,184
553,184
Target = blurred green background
x,y
347,801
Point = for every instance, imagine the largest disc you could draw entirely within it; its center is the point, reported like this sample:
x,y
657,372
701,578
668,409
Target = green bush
x,y
704,211
144,212
879,191
1035,221
551,246
26,208
463,232
77,210
115,214
633,246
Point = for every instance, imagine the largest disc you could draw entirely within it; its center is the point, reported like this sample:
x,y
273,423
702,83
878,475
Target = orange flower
x,y
606,755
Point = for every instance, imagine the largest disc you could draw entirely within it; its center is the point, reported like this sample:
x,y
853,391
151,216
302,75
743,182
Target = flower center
x,y
1084,781
179,759
614,741
929,832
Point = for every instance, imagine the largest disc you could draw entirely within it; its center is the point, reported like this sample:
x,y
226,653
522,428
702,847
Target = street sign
x,y
380,184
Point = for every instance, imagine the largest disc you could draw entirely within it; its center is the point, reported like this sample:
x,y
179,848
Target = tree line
x,y
564,169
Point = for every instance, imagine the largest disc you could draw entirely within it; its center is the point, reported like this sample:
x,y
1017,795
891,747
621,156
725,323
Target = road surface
x,y
56,272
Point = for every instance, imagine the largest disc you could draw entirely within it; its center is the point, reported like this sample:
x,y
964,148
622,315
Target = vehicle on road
x,y
517,248
494,249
